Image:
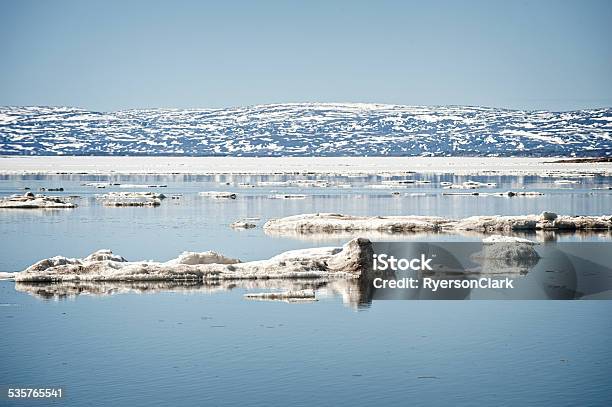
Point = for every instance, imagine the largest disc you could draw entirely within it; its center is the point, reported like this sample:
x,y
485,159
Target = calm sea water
x,y
197,224
202,347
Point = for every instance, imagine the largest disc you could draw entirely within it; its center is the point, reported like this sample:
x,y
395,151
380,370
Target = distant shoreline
x,y
584,160
106,165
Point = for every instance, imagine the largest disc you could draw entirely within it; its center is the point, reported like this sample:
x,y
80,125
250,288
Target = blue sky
x,y
109,55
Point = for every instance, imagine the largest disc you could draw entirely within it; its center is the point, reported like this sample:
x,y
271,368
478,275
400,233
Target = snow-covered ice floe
x,y
471,185
332,222
288,196
218,194
508,194
119,203
288,296
298,183
101,185
242,224
350,261
31,201
142,186
566,182
131,198
132,195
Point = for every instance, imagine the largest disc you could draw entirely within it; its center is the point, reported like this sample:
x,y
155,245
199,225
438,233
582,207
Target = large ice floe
x,y
333,222
350,261
311,274
38,201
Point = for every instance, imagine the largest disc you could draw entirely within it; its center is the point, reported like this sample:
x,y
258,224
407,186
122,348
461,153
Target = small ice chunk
x,y
289,296
242,224
218,194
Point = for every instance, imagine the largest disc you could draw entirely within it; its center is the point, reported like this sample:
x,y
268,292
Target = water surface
x,y
213,347
196,223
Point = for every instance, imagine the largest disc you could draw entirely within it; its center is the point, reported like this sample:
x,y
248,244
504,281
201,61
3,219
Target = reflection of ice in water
x,y
351,293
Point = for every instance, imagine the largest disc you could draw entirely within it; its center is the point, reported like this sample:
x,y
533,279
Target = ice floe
x,y
132,195
49,189
142,186
287,296
350,261
508,194
332,222
101,185
288,196
242,224
131,198
329,222
396,182
32,201
471,185
218,194
150,202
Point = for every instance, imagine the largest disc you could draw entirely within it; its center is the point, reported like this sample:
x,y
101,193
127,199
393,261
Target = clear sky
x,y
109,55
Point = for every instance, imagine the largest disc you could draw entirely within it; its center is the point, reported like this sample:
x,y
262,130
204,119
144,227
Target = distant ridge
x,y
307,129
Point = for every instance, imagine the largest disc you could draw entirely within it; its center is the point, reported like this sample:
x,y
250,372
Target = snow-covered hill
x,y
307,129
